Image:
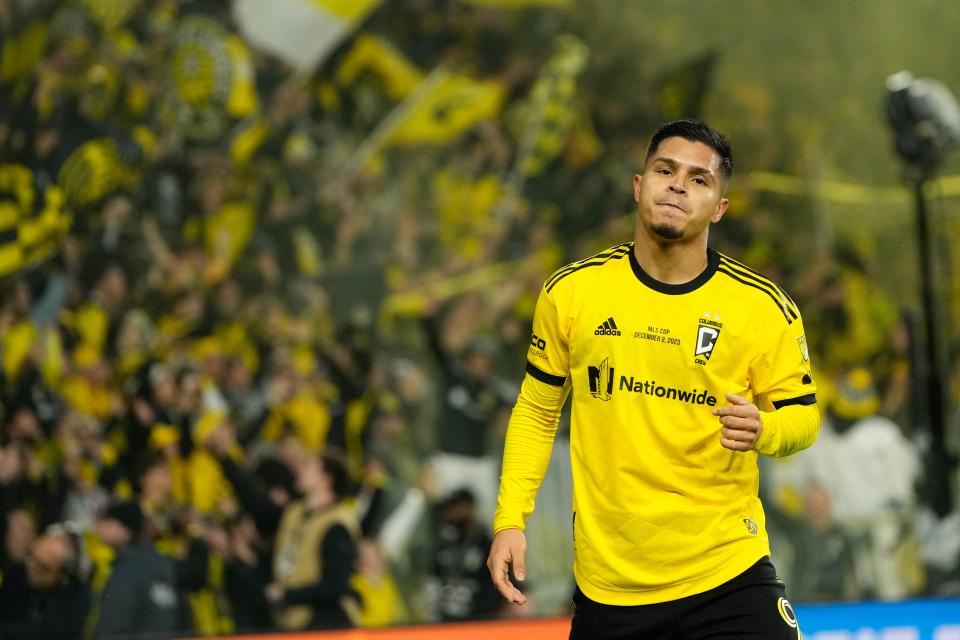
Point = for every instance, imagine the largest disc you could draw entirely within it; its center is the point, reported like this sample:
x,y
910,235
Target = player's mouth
x,y
672,205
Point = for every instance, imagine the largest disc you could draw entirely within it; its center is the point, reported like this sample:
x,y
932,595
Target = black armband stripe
x,y
808,399
543,376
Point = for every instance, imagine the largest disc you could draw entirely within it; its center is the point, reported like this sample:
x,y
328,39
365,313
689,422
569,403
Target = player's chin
x,y
667,231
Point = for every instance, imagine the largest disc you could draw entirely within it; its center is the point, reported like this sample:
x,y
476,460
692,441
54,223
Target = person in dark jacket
x,y
139,599
51,588
474,399
458,587
315,537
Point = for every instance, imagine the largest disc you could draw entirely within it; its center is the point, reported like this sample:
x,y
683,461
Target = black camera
x,y
925,119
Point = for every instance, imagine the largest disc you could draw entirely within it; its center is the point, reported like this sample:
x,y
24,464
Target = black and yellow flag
x,y
101,166
33,220
371,54
446,105
212,80
548,115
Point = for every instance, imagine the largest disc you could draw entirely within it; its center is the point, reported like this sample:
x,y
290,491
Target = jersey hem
x,y
666,593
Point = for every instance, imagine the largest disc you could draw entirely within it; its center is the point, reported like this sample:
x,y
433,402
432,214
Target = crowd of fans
x,y
252,390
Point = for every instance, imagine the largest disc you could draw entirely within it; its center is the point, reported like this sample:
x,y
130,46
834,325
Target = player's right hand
x,y
508,548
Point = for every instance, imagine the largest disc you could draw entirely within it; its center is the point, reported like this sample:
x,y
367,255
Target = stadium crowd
x,y
262,381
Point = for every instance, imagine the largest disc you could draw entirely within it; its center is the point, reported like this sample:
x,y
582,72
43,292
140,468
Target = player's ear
x,y
637,179
721,209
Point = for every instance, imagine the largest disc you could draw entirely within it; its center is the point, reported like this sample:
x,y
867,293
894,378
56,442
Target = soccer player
x,y
684,365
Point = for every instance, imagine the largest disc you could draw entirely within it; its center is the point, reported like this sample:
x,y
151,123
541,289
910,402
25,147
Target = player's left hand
x,y
741,422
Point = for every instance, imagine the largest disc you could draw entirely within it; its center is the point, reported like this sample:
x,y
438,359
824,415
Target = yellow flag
x,y
352,11
454,103
21,52
372,54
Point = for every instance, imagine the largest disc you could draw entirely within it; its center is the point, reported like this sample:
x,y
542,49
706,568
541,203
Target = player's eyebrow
x,y
694,168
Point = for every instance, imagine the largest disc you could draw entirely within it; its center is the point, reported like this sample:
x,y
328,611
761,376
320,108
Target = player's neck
x,y
673,262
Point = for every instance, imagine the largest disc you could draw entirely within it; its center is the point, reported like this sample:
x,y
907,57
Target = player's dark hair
x,y
695,131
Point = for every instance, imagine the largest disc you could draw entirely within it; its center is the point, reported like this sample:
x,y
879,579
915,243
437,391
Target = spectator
x,y
824,569
460,585
50,589
20,531
472,400
381,604
314,549
139,597
246,575
873,499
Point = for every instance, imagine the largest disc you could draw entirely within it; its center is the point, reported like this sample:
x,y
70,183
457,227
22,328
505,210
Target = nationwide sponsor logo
x,y
607,328
708,332
601,380
651,388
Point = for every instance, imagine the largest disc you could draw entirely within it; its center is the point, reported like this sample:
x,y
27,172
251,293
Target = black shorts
x,y
752,606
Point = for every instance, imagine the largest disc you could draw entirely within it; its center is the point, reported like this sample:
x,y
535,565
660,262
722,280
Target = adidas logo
x,y
608,328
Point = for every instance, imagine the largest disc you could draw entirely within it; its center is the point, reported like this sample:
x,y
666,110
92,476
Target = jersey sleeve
x,y
533,421
787,394
548,357
781,375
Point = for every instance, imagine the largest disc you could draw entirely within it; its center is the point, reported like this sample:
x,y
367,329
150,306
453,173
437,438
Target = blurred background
x,y
237,235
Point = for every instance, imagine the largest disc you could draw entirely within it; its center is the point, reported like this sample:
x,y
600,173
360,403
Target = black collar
x,y
713,259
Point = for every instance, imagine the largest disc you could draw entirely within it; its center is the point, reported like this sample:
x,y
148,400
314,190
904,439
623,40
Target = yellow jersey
x,y
660,509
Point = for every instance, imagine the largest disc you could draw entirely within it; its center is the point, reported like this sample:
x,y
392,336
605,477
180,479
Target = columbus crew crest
x,y
708,332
